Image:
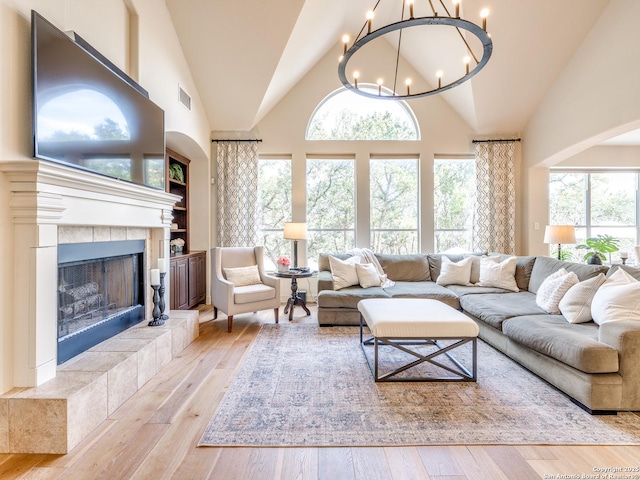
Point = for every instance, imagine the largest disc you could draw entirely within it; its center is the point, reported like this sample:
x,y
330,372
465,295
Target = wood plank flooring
x,y
154,436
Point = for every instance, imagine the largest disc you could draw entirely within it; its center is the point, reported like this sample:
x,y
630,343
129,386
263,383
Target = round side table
x,y
294,299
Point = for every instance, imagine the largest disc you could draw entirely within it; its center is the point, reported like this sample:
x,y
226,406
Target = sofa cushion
x,y
576,303
435,260
545,266
325,280
344,272
348,297
553,289
253,293
524,267
495,308
405,268
633,271
368,275
455,273
576,345
323,260
617,299
424,290
500,274
461,290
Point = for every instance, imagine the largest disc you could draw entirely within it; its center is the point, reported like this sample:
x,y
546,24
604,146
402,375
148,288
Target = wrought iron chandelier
x,y
444,81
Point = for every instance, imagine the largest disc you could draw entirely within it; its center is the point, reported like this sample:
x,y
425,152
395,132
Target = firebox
x,y
100,293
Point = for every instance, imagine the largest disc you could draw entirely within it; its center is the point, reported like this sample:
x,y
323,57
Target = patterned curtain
x,y
237,165
495,215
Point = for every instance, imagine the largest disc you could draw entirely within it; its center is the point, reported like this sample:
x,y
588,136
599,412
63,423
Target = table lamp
x,y
295,231
560,234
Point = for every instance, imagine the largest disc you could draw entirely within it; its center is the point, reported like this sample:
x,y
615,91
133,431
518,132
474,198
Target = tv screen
x,y
88,116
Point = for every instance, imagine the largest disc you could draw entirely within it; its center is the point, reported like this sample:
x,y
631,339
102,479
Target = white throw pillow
x,y
576,303
344,272
553,288
368,275
617,299
452,273
475,267
243,276
494,273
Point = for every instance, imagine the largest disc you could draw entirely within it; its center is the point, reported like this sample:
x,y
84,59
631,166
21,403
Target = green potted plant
x,y
599,246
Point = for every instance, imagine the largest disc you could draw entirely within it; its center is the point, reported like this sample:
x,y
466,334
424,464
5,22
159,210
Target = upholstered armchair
x,y
239,283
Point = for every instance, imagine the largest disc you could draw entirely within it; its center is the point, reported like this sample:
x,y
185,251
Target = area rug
x,y
305,385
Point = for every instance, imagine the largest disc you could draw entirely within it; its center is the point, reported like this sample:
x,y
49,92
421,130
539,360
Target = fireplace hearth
x,y
100,293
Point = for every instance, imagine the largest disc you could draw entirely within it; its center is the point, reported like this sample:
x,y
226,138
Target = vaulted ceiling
x,y
246,56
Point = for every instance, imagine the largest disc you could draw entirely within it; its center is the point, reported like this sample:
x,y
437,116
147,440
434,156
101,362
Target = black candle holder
x,y
157,315
163,315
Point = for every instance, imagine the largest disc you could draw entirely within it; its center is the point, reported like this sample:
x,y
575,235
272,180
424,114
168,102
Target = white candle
x,y
624,255
162,265
155,276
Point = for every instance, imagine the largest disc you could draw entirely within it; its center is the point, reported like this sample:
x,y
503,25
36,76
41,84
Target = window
x,y
596,203
274,207
454,187
393,204
345,115
331,210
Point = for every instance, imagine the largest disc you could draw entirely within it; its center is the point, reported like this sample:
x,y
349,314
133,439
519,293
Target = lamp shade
x,y
564,234
295,231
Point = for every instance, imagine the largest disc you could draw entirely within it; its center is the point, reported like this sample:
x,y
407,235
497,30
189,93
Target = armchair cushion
x,y
241,276
253,293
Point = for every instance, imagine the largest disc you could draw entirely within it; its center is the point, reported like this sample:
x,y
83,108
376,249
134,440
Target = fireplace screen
x,y
93,291
97,297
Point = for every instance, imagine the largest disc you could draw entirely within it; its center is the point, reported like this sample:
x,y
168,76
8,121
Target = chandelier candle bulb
x,y
439,75
379,86
484,14
345,40
466,61
369,20
355,78
408,83
410,2
457,5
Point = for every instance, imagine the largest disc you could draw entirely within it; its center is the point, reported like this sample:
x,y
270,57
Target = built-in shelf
x,y
181,188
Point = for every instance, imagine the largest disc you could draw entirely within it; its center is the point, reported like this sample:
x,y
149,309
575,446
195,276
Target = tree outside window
x,y
345,115
454,187
274,207
393,204
330,207
597,203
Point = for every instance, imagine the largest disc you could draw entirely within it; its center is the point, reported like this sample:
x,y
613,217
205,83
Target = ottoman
x,y
403,322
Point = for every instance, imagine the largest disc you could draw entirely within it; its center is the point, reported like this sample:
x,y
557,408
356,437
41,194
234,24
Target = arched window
x,y
344,115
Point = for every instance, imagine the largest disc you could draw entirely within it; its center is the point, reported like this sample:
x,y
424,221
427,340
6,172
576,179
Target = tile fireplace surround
x,y
53,407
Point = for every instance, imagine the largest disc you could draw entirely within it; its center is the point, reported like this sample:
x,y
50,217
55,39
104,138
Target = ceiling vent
x,y
184,98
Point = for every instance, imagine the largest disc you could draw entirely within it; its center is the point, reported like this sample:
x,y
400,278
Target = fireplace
x,y
100,293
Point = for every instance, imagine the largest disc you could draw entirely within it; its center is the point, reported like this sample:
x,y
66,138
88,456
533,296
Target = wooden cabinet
x,y
188,275
177,182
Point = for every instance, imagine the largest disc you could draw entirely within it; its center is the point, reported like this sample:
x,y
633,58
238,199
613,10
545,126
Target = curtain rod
x,y
500,140
236,140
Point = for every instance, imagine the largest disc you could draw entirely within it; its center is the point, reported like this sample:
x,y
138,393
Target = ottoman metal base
x,y
460,373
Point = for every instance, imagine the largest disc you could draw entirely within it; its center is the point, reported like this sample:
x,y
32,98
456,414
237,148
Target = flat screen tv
x,y
90,115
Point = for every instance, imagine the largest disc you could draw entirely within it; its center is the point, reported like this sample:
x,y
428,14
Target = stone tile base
x,y
57,415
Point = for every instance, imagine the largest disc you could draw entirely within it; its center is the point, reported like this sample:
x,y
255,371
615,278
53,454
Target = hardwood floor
x,y
154,436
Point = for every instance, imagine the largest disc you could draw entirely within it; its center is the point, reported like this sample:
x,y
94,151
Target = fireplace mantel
x,y
44,197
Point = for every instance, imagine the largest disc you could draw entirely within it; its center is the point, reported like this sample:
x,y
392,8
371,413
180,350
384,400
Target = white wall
x,y
596,97
106,25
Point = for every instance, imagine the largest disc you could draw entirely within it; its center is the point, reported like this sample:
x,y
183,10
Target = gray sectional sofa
x,y
597,366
